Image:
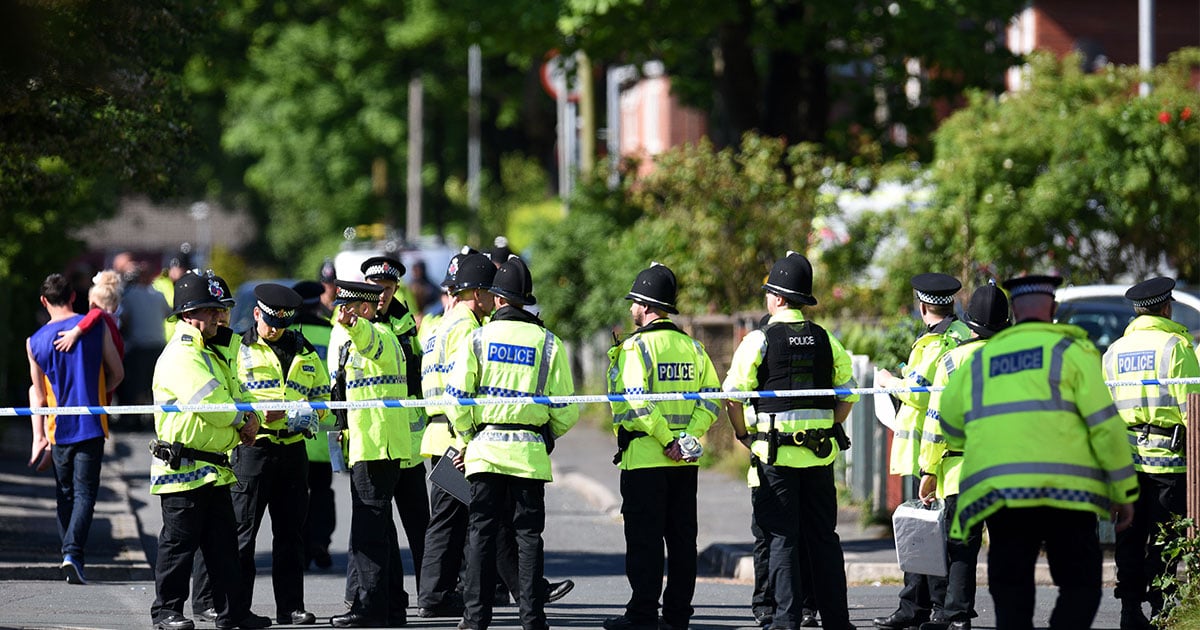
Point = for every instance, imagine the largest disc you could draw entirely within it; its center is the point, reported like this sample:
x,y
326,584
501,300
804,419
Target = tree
x,y
1075,173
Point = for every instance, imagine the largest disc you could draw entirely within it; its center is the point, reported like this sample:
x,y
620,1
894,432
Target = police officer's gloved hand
x,y
302,421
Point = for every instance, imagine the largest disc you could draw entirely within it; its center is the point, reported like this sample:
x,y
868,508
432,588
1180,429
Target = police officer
x,y
796,503
321,518
411,497
275,363
507,447
658,475
922,595
379,440
1153,347
1044,454
986,315
468,278
190,472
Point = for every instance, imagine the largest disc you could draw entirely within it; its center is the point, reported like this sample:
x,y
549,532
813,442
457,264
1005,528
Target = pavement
x,y
117,547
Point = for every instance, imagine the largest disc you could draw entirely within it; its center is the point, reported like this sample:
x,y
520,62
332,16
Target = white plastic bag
x,y
920,538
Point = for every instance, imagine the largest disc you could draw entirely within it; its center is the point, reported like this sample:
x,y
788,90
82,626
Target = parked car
x,y
1103,311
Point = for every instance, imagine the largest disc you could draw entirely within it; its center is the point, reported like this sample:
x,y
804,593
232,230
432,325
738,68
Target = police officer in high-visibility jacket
x,y
1044,454
379,440
986,315
658,476
468,278
191,473
796,503
506,448
1153,347
922,595
275,363
411,497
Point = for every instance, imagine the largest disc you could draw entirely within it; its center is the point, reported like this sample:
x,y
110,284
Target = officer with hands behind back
x,y
190,472
658,453
796,503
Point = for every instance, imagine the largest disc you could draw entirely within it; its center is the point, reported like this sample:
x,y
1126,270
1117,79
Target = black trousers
x,y
202,520
412,503
762,601
1139,559
1073,551
922,596
498,499
659,504
270,476
375,563
445,540
798,508
960,579
321,519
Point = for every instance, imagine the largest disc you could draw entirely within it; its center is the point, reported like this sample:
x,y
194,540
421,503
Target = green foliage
x,y
1076,173
1179,549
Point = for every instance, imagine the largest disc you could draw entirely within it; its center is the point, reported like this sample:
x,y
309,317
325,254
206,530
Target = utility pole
x,y
587,114
474,156
1145,41
416,144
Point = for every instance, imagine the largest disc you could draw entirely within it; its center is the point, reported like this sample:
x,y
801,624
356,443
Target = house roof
x,y
141,224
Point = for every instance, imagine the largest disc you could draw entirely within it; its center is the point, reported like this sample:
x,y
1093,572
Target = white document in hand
x,y
885,410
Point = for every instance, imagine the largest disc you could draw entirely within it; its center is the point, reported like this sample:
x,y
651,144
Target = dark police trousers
x,y
412,503
922,595
445,540
271,476
198,520
497,500
1073,551
321,519
960,580
374,548
797,507
762,601
1139,559
659,504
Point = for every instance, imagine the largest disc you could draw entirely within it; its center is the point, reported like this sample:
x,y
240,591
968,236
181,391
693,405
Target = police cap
x,y
935,288
382,268
475,271
513,282
277,304
452,268
348,292
1031,285
987,312
655,287
1151,292
194,292
791,278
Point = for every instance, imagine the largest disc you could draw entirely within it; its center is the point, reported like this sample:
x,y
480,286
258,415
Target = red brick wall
x,y
1113,24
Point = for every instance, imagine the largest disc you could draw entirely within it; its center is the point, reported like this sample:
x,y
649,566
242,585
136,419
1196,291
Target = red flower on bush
x,y
1186,114
1164,117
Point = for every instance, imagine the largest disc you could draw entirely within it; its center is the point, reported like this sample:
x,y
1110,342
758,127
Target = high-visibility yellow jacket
x,y
189,372
375,370
404,326
1153,347
317,447
1037,426
743,377
435,367
513,355
935,458
910,418
261,373
659,358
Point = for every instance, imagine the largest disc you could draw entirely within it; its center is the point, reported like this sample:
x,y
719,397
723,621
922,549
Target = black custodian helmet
x,y
987,312
475,271
452,268
791,278
193,292
513,282
655,287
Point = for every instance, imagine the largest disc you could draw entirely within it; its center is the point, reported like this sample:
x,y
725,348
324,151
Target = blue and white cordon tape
x,y
506,400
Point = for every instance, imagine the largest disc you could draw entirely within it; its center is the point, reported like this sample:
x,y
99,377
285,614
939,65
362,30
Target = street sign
x,y
557,75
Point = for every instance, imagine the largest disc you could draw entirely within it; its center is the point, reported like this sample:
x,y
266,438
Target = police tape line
x,y
393,403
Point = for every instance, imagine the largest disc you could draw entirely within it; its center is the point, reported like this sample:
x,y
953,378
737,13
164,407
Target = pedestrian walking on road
x,y
83,375
658,453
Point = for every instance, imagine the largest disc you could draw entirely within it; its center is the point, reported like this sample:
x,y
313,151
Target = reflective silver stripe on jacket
x,y
1136,440
544,369
1055,403
1143,400
933,438
1031,468
488,435
208,388
631,414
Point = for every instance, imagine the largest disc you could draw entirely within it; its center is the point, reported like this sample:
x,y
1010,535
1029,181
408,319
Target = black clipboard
x,y
450,479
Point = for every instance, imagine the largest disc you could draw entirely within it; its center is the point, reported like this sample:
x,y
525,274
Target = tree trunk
x,y
738,83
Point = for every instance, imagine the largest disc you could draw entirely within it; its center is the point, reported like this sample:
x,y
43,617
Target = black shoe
x,y
898,621
1134,619
942,624
208,614
559,590
808,619
763,616
297,618
174,621
625,623
320,557
443,610
249,622
353,620
463,624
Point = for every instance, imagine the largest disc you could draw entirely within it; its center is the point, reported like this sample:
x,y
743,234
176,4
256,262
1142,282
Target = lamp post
x,y
200,212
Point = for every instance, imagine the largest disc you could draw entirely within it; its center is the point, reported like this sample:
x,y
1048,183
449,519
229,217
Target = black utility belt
x,y
536,428
1152,429
946,454
441,417
173,454
282,434
798,438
